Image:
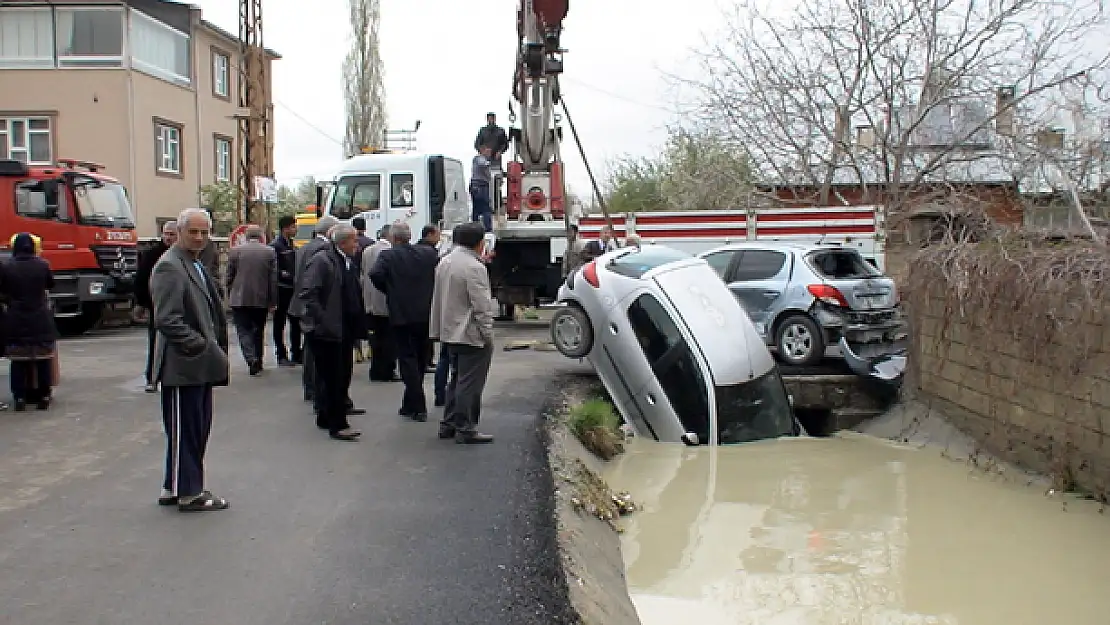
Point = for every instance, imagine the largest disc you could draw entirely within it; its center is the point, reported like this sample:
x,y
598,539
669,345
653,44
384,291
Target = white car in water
x,y
672,346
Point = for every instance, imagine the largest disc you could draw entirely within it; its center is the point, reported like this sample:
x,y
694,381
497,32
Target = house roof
x,y
233,38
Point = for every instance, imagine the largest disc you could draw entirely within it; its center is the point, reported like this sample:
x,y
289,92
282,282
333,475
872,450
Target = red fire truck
x,y
87,229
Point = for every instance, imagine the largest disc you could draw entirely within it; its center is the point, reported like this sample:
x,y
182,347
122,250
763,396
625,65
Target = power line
x,y
304,121
616,96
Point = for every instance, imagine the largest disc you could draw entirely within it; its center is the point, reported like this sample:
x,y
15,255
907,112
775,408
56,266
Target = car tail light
x,y
589,272
828,294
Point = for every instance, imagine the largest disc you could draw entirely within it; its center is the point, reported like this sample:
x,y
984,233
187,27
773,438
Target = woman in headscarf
x,y
30,338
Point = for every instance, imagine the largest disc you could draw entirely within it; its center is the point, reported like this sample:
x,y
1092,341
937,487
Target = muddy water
x,y
852,530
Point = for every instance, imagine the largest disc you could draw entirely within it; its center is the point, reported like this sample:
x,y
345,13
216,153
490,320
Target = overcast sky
x,y
448,62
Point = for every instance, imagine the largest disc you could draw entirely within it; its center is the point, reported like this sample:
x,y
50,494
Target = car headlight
x,y
96,288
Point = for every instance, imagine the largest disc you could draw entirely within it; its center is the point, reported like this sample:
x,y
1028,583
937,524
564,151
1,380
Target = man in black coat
x,y
406,274
287,271
142,292
492,136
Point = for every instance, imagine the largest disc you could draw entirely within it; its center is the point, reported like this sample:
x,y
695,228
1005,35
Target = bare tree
x,y
365,81
897,95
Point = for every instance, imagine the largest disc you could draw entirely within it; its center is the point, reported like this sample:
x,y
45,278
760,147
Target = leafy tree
x,y
694,171
291,201
219,199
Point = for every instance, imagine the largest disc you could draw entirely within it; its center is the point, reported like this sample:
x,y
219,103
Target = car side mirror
x,y
691,439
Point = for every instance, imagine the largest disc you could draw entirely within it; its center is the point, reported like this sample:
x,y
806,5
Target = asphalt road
x,y
397,528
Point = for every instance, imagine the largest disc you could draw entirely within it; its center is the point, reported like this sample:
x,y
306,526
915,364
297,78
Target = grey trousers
x,y
469,368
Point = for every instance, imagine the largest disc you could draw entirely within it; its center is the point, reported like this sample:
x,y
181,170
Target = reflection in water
x,y
851,530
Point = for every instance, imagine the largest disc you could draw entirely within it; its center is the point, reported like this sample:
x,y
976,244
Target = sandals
x,y
204,502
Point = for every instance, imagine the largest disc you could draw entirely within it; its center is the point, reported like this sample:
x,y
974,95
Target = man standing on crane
x,y
481,183
494,137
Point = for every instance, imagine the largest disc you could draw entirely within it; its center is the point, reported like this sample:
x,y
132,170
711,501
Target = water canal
x,y
853,530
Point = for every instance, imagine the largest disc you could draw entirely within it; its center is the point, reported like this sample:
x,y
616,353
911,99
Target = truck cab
x,y
383,187
87,229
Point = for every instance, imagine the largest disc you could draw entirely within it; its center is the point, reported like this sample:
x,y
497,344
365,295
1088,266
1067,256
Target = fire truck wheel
x,y
82,323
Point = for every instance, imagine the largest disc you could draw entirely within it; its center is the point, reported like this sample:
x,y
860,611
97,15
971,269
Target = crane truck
x,y
530,231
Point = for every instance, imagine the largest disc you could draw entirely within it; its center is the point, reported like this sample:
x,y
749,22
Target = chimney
x,y
865,136
1004,110
1051,139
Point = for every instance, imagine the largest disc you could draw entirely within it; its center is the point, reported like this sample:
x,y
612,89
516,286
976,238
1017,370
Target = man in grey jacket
x,y
190,358
252,289
462,318
383,358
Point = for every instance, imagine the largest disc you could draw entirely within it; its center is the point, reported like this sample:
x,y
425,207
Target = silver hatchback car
x,y
673,348
804,298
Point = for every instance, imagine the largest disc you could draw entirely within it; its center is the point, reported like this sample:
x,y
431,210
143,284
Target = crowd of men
x,y
336,291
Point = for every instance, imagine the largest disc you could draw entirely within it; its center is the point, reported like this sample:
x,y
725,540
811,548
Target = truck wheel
x,y
508,313
571,332
82,323
800,341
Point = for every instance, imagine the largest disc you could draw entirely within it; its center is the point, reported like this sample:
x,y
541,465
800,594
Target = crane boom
x,y
535,174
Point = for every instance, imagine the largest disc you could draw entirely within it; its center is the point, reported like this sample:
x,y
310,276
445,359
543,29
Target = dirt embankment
x,y
586,511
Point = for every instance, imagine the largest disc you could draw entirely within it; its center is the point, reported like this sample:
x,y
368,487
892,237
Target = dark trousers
x,y
442,368
469,372
334,363
151,333
187,418
482,211
281,318
412,357
31,379
250,326
383,355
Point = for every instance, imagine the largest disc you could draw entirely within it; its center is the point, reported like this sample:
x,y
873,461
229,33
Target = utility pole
x,y
255,145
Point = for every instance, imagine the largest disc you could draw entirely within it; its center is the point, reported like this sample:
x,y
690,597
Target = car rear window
x,y
636,264
842,265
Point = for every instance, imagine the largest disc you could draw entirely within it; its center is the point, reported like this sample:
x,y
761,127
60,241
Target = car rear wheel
x,y
799,341
571,332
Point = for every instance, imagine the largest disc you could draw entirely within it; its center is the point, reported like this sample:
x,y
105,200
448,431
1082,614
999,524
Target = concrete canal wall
x,y
1013,346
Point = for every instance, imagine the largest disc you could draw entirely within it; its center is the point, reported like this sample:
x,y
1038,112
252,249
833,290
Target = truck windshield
x,y
754,410
103,204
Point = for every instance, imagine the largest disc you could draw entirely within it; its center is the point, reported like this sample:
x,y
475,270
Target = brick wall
x,y
1039,416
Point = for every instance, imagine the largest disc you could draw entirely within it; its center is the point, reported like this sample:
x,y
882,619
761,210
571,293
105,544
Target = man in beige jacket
x,y
462,319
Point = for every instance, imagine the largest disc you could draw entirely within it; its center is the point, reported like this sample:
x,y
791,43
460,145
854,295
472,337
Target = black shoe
x,y
420,417
298,360
20,405
474,438
439,402
355,411
256,367
345,435
44,404
445,433
285,362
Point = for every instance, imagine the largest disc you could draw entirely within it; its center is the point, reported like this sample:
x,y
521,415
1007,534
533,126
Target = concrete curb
x,y
590,548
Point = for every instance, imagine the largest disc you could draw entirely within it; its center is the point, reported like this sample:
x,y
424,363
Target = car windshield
x,y
842,265
105,203
356,194
638,263
754,410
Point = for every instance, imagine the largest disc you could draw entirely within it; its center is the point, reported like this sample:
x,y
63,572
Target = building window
x,y
159,50
221,74
26,38
167,148
223,159
26,139
90,37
